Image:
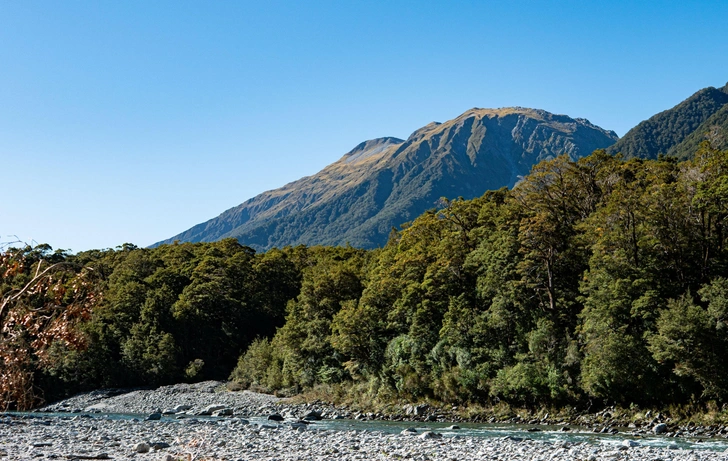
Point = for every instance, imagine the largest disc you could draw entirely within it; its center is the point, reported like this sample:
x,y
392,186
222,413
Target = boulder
x,y
181,408
223,412
275,417
630,443
142,447
312,416
153,417
210,409
430,435
660,428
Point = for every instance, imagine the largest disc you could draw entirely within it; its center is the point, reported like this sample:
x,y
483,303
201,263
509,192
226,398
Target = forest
x,y
601,279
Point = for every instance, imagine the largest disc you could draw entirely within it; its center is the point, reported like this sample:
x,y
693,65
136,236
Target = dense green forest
x,y
597,280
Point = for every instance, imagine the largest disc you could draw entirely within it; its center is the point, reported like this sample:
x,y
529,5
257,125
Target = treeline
x,y
135,316
600,279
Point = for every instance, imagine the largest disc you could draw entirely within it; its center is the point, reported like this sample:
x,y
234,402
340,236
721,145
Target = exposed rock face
x,y
385,182
678,131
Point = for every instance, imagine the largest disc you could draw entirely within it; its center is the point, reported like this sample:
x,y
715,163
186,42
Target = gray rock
x,y
142,448
160,445
660,428
312,416
420,410
275,417
430,435
630,443
153,417
210,409
223,412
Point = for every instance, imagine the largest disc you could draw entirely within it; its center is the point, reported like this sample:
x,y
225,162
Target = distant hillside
x,y
679,130
385,182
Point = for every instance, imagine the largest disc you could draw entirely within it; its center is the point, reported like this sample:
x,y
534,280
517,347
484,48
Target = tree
x,y
40,308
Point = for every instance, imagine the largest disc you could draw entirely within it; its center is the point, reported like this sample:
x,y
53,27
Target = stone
x,y
142,448
409,431
223,412
430,435
313,416
160,445
210,409
154,417
660,428
630,443
275,417
181,408
453,427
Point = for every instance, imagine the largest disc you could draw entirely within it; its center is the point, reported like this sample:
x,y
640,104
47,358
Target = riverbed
x,y
187,422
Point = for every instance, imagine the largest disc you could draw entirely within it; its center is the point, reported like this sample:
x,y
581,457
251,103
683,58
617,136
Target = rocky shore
x,y
203,421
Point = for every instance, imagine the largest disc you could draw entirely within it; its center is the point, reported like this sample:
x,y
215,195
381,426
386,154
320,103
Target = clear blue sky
x,y
131,121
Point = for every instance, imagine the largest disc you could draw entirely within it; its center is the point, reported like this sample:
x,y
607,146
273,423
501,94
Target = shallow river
x,y
517,431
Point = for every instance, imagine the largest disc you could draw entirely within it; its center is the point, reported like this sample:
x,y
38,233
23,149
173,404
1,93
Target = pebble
x,y
233,438
101,438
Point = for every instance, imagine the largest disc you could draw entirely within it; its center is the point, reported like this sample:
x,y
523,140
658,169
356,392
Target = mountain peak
x,y
422,132
385,182
370,148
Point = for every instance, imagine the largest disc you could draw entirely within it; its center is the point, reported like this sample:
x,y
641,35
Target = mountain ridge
x,y
385,182
665,132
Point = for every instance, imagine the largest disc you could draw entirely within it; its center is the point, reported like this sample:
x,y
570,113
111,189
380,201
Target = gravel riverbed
x,y
177,423
236,439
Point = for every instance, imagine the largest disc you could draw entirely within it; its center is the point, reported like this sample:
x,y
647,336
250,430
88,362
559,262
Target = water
x,y
552,434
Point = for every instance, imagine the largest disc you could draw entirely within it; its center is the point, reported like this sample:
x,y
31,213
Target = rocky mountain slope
x,y
679,131
385,182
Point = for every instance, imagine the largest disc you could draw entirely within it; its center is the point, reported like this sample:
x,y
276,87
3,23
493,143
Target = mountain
x,y
678,131
385,182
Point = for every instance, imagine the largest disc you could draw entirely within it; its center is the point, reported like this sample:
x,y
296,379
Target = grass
x,y
370,398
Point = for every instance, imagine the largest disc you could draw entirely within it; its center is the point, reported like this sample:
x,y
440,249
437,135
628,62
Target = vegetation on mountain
x,y
384,182
598,280
678,131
